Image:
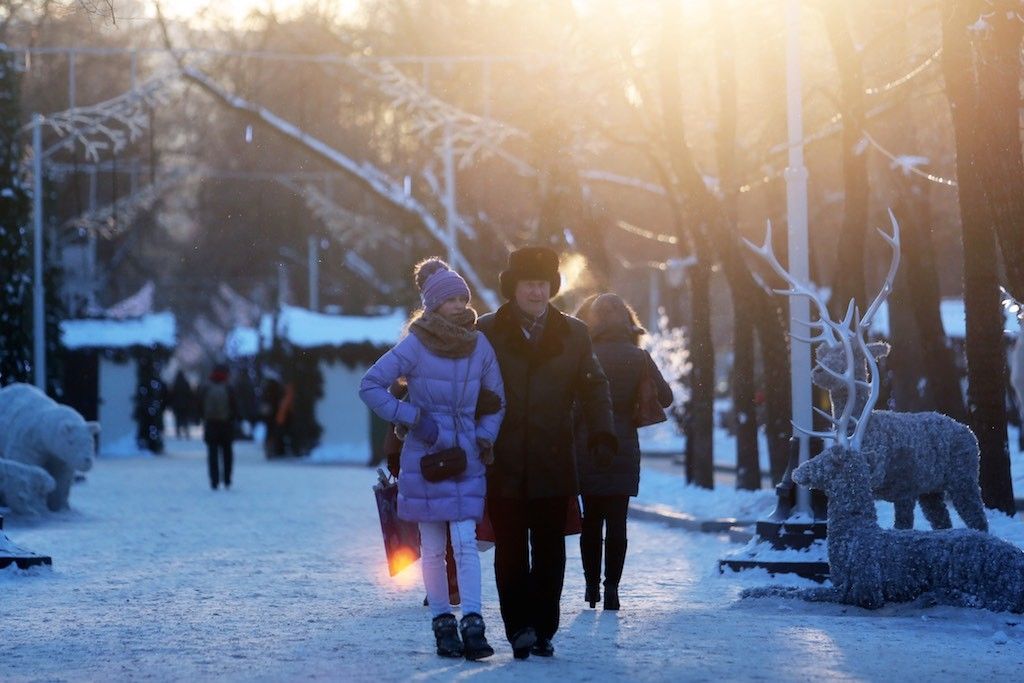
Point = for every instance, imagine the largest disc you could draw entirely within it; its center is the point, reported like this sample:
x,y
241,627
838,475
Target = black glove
x,y
393,463
487,403
603,448
486,449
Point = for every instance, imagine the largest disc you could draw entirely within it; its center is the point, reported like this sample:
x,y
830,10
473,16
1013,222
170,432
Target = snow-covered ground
x,y
157,577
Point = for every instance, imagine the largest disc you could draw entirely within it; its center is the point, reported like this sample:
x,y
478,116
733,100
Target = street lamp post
x,y
793,524
796,210
38,311
314,272
450,211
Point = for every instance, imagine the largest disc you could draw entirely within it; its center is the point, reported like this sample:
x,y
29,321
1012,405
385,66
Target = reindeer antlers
x,y
796,288
883,293
851,333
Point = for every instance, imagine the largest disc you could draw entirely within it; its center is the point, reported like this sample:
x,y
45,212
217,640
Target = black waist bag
x,y
444,464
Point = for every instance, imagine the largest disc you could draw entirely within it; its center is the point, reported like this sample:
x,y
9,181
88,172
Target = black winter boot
x,y
593,594
446,631
590,553
615,558
522,641
611,597
475,645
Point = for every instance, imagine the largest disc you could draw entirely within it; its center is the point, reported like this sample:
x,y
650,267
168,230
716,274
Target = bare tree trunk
x,y
702,352
849,277
702,379
712,230
926,352
748,466
986,359
775,353
1000,166
919,285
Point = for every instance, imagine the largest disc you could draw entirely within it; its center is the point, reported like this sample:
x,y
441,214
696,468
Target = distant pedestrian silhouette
x,y
181,404
219,412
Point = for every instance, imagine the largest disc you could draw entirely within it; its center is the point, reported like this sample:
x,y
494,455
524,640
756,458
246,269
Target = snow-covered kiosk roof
x,y
242,342
353,338
154,330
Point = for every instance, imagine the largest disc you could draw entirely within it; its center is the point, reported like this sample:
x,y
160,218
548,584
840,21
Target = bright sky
x,y
184,9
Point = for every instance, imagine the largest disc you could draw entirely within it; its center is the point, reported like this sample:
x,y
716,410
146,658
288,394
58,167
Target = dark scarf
x,y
447,338
534,327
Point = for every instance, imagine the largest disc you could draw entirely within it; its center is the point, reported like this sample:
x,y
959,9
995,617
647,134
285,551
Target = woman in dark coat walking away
x,y
446,363
615,332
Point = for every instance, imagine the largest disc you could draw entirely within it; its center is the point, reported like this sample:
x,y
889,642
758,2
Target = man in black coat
x,y
547,364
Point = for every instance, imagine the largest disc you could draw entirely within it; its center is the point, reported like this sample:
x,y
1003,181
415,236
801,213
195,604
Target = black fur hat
x,y
530,263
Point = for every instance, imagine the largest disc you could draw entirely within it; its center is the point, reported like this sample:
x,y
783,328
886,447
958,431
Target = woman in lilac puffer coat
x,y
446,363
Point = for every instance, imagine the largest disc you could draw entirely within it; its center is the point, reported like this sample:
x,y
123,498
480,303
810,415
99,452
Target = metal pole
x,y
796,206
91,258
282,285
449,194
38,312
71,78
314,273
655,299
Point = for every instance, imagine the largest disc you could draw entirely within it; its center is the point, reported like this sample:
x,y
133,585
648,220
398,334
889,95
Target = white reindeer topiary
x,y
868,565
913,457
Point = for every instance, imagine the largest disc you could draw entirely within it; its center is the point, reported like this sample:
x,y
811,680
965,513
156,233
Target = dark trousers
x,y
610,513
529,561
218,435
219,459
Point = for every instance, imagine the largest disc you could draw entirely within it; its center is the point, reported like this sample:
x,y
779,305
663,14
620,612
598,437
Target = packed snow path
x,y
157,577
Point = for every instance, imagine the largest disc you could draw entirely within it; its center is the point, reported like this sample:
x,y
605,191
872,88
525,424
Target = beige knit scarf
x,y
448,338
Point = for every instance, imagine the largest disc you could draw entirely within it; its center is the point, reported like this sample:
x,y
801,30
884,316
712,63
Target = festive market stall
x,y
321,359
112,375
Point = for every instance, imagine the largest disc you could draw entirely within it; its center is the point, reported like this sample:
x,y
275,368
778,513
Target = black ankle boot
x,y
611,597
474,643
522,641
543,648
446,631
593,594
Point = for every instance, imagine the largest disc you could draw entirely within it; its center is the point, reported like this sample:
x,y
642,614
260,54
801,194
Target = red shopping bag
x,y
401,538
573,522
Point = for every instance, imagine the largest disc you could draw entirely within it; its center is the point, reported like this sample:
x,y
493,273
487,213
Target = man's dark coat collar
x,y
508,323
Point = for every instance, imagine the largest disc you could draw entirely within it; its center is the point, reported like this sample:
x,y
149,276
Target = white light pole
x,y
38,312
796,209
450,211
314,273
792,525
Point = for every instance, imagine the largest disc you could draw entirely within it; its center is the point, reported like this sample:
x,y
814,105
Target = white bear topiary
x,y
36,430
24,488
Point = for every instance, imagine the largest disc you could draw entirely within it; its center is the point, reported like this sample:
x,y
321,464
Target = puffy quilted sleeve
x,y
487,426
664,390
373,389
592,390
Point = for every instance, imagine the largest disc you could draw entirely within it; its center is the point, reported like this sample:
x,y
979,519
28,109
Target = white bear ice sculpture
x,y
36,430
24,488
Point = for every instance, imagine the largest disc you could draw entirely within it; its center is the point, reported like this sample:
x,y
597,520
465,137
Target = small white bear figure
x,y
36,430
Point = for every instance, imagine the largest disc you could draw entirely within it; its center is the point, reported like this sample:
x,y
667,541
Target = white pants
x,y
433,542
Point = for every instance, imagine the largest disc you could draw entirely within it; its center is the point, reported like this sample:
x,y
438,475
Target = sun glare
x,y
237,10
